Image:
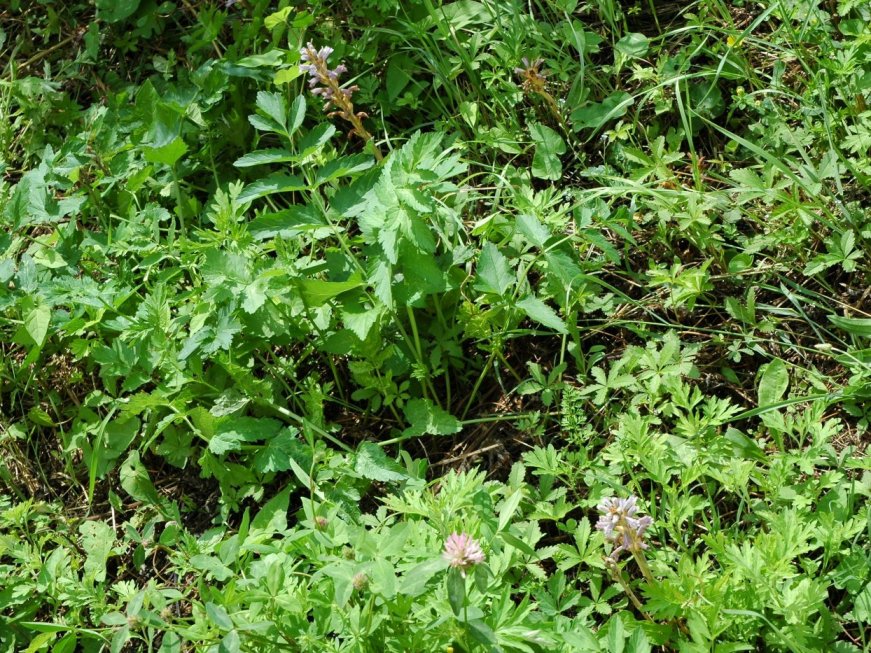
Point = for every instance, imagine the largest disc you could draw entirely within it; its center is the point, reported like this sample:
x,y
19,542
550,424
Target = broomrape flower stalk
x,y
462,552
534,80
621,525
324,83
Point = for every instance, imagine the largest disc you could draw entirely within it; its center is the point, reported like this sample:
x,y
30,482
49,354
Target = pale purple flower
x,y
462,552
620,525
323,81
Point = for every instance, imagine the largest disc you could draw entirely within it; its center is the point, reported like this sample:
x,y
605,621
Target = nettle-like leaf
x,y
425,417
493,273
542,313
405,218
371,462
279,452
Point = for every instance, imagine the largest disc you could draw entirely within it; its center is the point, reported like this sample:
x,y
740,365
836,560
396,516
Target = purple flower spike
x,y
620,525
324,83
462,552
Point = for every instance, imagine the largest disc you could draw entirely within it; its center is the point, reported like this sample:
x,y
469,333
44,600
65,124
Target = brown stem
x,y
345,106
617,575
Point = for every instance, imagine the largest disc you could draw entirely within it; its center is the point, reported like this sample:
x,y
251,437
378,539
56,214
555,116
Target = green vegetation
x,y
263,360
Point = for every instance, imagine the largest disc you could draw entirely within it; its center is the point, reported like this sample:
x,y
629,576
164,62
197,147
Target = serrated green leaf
x,y
276,454
315,139
542,313
493,274
343,167
371,462
297,112
426,418
293,221
317,292
167,154
262,157
98,538
274,106
531,227
275,183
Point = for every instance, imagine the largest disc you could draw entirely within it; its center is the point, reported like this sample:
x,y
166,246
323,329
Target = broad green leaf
x,y
291,222
274,106
231,643
297,113
276,454
114,11
633,45
268,59
275,19
317,292
275,183
217,614
117,437
98,538
36,324
456,590
415,580
426,418
171,643
371,462
774,382
315,139
272,517
493,274
286,75
862,605
596,115
211,565
167,154
261,157
49,257
136,481
482,633
542,313
383,578
232,432
549,146
507,509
